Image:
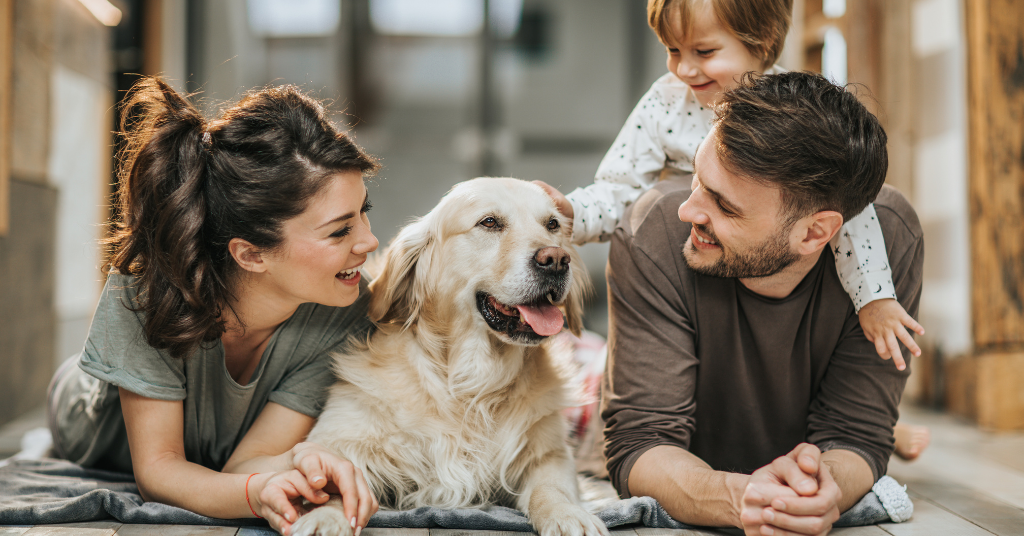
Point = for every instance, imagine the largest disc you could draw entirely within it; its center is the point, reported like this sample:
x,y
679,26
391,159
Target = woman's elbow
x,y
152,475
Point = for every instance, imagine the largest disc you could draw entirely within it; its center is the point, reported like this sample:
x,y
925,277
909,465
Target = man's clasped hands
x,y
795,494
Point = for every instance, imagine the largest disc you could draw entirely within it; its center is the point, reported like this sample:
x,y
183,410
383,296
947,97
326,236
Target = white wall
x,y
173,42
78,166
940,171
234,59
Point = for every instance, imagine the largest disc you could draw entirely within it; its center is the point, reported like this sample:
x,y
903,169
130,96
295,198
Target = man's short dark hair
x,y
806,135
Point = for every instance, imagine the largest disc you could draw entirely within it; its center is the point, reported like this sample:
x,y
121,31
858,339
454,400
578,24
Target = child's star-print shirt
x,y
662,133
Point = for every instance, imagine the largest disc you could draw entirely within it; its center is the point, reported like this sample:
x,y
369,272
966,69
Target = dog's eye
x,y
489,222
553,225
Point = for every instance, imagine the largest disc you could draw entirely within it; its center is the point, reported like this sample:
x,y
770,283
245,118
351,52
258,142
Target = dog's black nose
x,y
551,260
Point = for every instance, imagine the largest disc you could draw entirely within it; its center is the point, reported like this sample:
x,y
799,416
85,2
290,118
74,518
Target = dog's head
x,y
494,249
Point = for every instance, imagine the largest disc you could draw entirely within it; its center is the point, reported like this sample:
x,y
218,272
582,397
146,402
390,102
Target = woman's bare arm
x,y
268,443
288,469
155,436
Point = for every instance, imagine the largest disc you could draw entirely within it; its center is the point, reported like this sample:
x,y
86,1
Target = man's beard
x,y
767,258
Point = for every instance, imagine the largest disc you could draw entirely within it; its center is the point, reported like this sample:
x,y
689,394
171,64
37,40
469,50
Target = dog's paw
x,y
324,521
568,520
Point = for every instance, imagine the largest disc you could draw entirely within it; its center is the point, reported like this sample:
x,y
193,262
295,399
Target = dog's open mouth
x,y
529,321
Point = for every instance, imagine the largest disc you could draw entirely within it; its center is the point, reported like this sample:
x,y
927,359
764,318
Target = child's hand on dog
x,y
563,204
884,322
326,472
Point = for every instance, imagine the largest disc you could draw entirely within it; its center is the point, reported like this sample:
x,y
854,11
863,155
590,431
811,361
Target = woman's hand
x,y
277,497
326,471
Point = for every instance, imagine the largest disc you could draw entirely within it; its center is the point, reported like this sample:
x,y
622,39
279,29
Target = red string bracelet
x,y
247,496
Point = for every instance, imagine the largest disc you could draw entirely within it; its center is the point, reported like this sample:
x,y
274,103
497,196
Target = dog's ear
x,y
581,289
395,294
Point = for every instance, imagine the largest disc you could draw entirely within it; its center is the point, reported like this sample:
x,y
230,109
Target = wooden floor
x,y
967,483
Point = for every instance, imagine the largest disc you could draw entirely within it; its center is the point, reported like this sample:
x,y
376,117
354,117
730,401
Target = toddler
x,y
710,45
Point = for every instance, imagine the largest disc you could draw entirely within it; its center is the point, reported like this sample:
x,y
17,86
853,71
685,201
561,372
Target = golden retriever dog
x,y
455,400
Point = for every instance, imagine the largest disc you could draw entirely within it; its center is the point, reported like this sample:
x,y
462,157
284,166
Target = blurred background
x,y
446,90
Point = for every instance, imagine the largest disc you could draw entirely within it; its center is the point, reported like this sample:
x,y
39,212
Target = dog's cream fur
x,y
437,408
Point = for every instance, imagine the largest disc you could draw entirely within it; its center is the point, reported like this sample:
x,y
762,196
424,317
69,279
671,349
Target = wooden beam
x,y
995,74
862,29
987,388
6,63
961,386
895,94
152,37
1000,391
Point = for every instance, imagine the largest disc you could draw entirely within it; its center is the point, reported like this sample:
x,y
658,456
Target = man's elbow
x,y
618,463
621,454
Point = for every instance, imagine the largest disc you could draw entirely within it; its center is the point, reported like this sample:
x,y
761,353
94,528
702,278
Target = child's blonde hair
x,y
761,25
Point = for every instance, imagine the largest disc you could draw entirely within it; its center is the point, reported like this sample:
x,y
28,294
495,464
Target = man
x,y
741,390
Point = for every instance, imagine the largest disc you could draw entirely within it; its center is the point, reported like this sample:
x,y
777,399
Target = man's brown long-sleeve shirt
x,y
739,379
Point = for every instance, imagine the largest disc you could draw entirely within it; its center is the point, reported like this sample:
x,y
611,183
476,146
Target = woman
x,y
235,273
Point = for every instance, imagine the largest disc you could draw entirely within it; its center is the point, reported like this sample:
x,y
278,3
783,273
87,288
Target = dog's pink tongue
x,y
545,319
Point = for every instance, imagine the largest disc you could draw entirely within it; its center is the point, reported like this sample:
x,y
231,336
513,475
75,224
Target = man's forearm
x,y
851,473
688,489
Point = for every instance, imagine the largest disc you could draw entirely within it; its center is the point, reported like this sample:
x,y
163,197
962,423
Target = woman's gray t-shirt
x,y
294,371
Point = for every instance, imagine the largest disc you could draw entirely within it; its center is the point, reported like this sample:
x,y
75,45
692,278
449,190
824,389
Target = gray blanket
x,y
36,492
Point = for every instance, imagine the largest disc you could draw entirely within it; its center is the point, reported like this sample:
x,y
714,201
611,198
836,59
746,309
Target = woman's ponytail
x,y
159,235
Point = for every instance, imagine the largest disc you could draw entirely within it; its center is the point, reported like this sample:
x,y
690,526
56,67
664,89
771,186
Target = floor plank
x,y
13,531
373,531
1006,449
952,432
461,532
987,462
979,508
92,528
870,530
175,530
931,520
948,465
645,531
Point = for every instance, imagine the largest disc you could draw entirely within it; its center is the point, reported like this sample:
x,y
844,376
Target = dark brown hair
x,y
188,186
806,135
761,25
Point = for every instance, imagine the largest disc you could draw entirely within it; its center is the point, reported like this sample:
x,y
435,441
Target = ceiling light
x,y
104,11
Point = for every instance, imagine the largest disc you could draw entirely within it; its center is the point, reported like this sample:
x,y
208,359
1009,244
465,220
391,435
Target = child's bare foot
x,y
911,440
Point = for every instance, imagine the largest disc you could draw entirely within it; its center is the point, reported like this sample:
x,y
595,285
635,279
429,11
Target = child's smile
x,y
710,59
